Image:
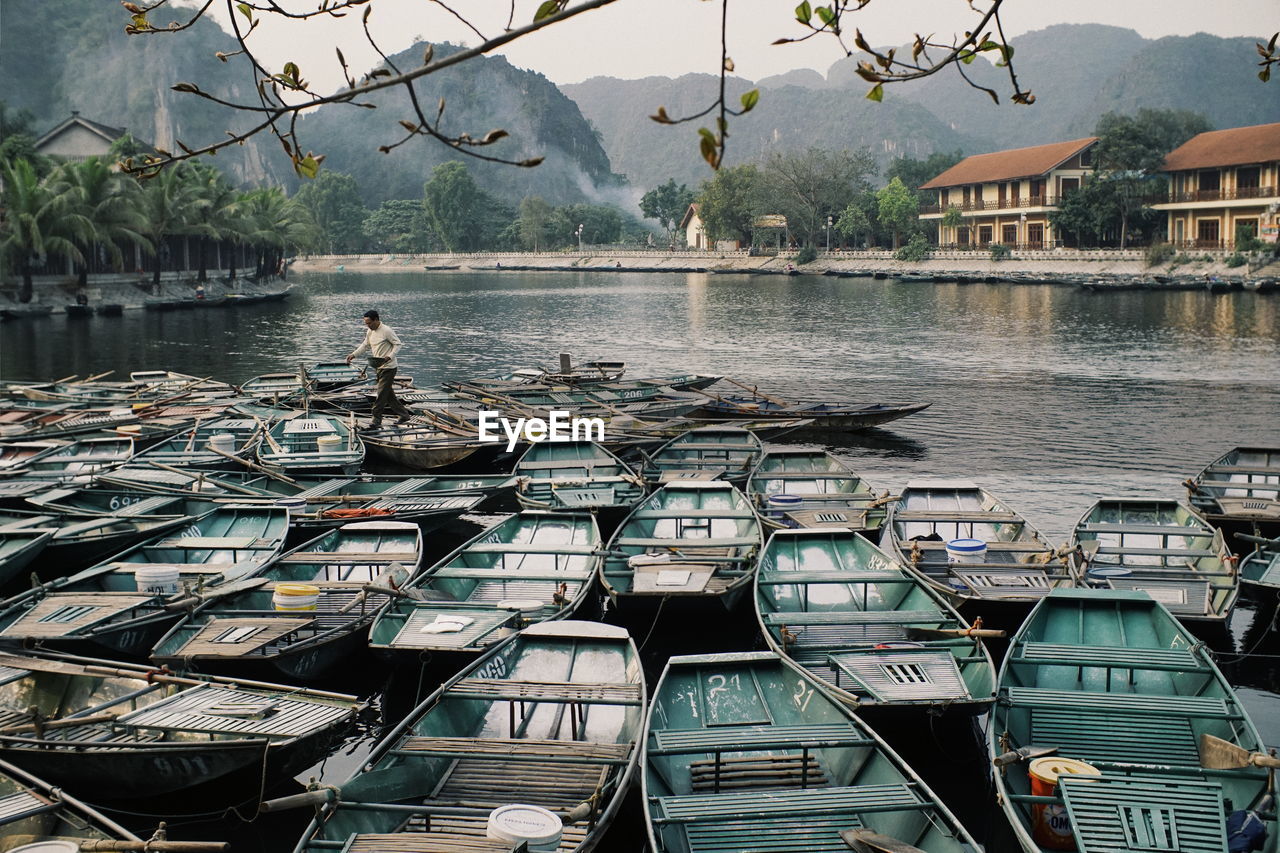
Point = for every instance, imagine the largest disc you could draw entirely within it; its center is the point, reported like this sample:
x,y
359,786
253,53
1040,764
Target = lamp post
x,y
828,235
579,233
1022,230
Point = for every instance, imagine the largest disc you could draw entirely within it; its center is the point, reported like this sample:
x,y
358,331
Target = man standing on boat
x,y
382,344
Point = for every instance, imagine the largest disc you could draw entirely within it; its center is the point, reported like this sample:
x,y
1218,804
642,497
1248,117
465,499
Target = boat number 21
x,y
802,695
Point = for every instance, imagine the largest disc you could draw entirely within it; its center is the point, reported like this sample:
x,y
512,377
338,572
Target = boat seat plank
x,y
1183,598
796,834
532,548
329,558
1147,530
858,617
186,568
772,772
846,577
69,613
236,712
500,574
603,693
691,513
1087,736
754,738
1268,487
487,621
213,543
721,542
1002,547
1112,657
903,675
1005,584
1125,704
947,515
1187,815
23,804
696,446
765,476
520,749
588,465
426,842
1253,470
493,783
1190,553
254,634
690,808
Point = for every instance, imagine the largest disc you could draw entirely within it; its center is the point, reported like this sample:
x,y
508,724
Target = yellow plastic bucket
x,y
295,597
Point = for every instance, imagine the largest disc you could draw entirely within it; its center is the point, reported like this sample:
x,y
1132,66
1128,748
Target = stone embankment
x,y
1049,266
132,292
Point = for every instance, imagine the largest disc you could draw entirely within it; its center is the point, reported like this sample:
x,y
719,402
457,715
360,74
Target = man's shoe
x,y
375,424
402,420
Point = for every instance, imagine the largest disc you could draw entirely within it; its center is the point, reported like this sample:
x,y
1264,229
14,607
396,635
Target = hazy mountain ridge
x,y
1077,72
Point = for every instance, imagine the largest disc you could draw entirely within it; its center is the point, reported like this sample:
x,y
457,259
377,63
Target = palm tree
x,y
107,204
215,215
165,203
277,225
37,223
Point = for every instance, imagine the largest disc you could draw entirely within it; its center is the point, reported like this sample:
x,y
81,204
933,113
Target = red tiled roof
x,y
1232,147
1007,165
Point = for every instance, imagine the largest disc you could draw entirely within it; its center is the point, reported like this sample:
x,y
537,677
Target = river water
x,y
1050,397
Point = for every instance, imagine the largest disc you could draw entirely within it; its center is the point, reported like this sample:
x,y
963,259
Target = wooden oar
x,y
756,393
1258,540
870,841
985,633
97,376
232,486
111,846
61,723
254,466
1219,754
1025,753
266,434
195,428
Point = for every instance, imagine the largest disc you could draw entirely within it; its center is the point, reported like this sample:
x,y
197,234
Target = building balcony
x,y
1236,194
992,206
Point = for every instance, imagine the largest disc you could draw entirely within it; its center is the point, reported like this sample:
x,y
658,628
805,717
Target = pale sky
x,y
640,38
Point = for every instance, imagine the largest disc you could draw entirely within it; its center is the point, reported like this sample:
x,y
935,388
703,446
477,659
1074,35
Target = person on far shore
x,y
382,344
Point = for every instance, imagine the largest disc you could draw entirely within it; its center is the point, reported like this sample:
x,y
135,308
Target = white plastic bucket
x,y
48,847
159,580
966,551
224,441
294,506
329,443
780,504
536,826
530,608
295,597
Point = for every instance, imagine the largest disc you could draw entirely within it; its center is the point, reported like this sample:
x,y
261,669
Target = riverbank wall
x,y
132,292
1047,266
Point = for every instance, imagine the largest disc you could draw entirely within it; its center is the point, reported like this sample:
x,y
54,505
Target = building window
x,y
962,235
1009,234
1086,158
1246,229
1037,190
984,235
977,192
1069,185
1207,232
1248,177
1015,187
1210,180
1035,235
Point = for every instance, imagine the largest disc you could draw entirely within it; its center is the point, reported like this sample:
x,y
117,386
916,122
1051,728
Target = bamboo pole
x,y
254,466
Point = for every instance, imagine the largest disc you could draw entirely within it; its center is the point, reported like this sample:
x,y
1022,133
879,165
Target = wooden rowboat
x,y
576,475
1161,547
1261,568
318,444
110,606
549,719
353,570
19,545
1019,567
1239,492
691,540
127,731
826,416
78,460
531,567
1109,678
822,490
746,752
876,634
206,445
706,452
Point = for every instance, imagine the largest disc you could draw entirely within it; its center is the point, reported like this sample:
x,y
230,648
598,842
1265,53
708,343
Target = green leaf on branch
x,y
307,167
804,12
546,10
877,93
750,99
245,10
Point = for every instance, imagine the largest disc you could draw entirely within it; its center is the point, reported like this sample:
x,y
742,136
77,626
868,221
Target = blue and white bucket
x,y
1099,575
294,506
966,551
779,505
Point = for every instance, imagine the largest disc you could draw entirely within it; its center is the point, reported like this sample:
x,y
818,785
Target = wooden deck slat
x,y
607,693
270,629
98,607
